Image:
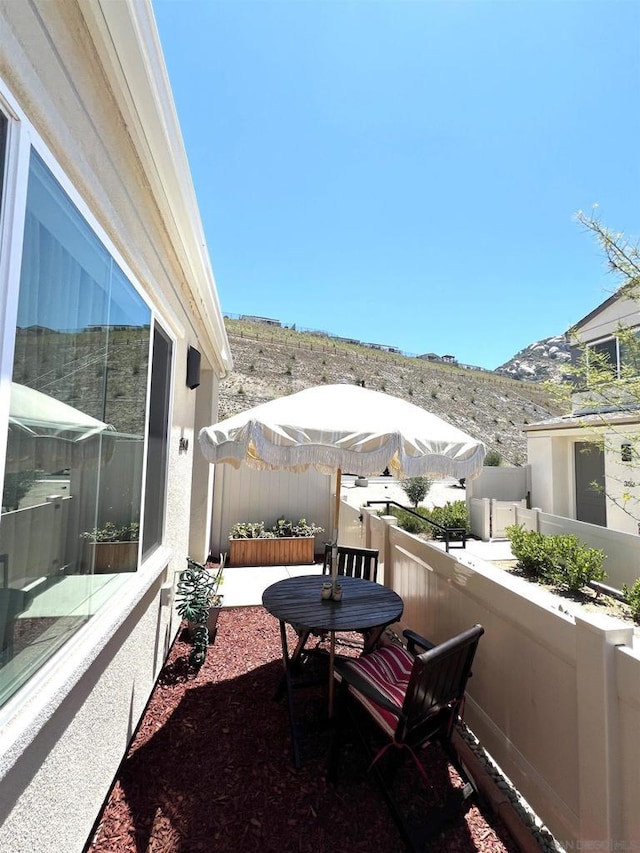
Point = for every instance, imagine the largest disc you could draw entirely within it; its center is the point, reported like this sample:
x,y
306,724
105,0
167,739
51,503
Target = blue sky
x,y
407,173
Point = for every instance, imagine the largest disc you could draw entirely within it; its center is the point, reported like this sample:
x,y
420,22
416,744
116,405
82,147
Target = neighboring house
x,y
112,345
594,443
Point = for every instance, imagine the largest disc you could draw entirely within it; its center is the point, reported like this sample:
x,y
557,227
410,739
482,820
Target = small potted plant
x,y
287,543
111,548
198,600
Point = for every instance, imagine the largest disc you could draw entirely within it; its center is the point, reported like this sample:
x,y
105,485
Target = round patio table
x,y
365,606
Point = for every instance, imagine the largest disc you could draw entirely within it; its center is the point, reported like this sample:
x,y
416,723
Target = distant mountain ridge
x,y
542,360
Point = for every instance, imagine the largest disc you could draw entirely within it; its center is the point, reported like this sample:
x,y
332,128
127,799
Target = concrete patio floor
x,y
243,587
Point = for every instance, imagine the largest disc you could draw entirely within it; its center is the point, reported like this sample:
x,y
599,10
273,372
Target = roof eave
x,y
126,37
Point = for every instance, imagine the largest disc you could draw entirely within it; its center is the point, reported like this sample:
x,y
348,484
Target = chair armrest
x,y
414,640
355,680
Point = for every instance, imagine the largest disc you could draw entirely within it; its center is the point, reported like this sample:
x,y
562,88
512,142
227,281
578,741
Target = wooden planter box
x,y
295,551
110,557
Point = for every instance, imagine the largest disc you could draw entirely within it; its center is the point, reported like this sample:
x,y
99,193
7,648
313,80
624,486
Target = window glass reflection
x,y
71,503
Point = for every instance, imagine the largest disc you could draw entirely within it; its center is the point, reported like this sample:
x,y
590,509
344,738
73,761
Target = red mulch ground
x,y
210,768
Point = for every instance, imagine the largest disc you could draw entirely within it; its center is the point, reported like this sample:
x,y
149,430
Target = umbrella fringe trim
x,y
266,456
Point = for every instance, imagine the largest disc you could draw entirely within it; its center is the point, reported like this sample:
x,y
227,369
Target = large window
x,y
608,352
620,354
72,496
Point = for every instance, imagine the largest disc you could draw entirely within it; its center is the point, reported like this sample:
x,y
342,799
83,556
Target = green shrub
x,y
531,550
632,597
16,486
452,515
575,564
492,459
407,521
562,560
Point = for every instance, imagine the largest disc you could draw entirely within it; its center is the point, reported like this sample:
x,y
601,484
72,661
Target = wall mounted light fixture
x,y
625,451
193,368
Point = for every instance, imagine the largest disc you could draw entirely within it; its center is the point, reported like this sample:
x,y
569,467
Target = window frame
x,y
25,713
58,674
21,139
592,345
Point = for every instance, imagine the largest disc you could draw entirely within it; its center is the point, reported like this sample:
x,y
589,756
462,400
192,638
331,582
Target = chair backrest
x,y
437,686
353,562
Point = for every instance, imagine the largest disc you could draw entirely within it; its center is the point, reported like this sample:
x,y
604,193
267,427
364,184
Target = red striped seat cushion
x,y
388,669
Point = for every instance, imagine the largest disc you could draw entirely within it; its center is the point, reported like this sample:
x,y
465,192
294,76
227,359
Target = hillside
x,y
271,361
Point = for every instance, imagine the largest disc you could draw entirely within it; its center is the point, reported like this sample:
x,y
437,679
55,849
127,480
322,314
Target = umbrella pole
x,y
332,656
336,525
334,578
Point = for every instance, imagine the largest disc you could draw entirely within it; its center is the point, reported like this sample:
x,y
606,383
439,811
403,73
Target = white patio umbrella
x,y
337,428
343,427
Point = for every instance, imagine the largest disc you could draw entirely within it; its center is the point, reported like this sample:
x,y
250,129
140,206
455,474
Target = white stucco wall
x,y
551,456
62,737
549,463
622,479
67,731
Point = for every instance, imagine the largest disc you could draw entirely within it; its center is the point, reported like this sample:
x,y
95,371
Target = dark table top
x,y
364,604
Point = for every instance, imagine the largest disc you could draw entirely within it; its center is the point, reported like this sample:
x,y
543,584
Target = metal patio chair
x,y
413,696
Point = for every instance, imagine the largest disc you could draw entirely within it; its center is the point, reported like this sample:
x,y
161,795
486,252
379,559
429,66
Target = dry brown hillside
x,y
272,361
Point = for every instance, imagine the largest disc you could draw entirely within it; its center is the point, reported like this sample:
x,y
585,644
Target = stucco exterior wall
x,y
551,454
63,736
64,747
621,482
551,473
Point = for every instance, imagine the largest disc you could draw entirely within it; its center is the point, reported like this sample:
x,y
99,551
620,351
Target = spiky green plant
x,y
197,592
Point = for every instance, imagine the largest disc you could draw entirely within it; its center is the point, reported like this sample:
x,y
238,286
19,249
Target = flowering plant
x,y
280,530
113,533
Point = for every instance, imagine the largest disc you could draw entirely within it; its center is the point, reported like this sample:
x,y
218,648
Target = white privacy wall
x,y
246,494
554,698
503,483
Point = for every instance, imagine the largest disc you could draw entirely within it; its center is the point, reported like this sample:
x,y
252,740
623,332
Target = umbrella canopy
x,y
344,427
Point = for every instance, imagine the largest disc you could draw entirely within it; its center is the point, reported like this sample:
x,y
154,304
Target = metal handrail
x,y
446,531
